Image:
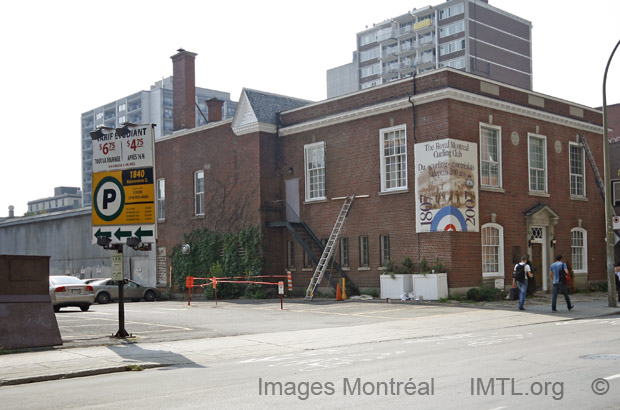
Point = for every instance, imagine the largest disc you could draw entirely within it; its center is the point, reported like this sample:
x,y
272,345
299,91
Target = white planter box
x,y
431,286
393,288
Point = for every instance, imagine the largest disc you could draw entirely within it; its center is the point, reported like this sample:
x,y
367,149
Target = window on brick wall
x,y
307,257
537,156
393,145
344,252
314,155
616,193
579,249
490,155
364,260
492,236
161,199
385,249
577,169
199,193
290,255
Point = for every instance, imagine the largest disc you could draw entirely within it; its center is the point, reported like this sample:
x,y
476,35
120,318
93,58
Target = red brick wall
x,y
232,182
352,167
246,175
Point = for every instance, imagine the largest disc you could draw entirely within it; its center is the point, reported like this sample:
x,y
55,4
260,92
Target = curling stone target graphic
x,y
449,218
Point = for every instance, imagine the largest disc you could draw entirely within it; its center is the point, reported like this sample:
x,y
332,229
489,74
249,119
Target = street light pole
x,y
608,210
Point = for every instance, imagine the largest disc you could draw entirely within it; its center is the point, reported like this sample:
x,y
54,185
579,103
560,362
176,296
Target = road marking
x,y
615,376
135,323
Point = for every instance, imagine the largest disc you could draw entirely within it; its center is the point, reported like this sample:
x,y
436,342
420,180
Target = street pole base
x,y
121,334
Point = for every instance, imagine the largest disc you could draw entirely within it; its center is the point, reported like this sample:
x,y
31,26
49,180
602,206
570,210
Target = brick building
x,y
445,165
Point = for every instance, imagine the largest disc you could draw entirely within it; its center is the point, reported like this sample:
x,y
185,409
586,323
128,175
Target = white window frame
x,y
581,176
364,252
370,70
370,54
458,63
500,250
199,195
530,137
290,254
451,11
344,252
161,199
314,192
584,250
450,29
616,192
385,250
400,158
498,161
452,47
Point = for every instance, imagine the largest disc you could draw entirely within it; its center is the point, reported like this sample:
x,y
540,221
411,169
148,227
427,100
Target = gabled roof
x,y
538,208
258,107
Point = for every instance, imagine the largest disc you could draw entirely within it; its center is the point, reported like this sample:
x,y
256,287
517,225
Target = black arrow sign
x,y
100,234
120,234
140,233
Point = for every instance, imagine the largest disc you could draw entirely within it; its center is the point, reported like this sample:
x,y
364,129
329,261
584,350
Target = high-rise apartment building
x,y
470,35
153,106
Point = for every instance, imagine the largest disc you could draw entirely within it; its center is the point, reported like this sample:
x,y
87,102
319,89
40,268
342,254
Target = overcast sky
x,y
62,58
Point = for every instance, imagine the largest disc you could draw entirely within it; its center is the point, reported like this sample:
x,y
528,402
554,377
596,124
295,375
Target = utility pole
x,y
609,232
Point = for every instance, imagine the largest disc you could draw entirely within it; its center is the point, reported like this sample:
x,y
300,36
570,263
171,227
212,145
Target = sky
x,y
63,58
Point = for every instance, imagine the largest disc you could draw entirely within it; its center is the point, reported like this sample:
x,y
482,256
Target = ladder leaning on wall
x,y
328,252
597,176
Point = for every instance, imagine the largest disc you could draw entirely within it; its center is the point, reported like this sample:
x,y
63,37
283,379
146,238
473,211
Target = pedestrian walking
x,y
558,271
520,275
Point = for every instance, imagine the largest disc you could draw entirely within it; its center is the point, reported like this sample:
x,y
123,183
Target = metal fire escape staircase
x,y
328,251
599,181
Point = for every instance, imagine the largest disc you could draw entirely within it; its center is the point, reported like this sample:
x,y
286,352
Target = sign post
x,y
281,292
123,196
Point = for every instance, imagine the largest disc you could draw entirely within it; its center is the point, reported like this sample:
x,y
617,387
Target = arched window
x,y
579,249
492,250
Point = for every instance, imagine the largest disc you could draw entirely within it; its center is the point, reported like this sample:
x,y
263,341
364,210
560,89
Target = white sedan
x,y
70,291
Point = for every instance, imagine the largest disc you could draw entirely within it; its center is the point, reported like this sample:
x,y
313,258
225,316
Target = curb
x,y
81,373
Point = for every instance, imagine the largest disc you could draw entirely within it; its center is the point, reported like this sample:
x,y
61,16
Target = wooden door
x,y
537,261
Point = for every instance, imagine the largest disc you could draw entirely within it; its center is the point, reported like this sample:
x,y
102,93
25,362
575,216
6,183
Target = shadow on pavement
x,y
134,354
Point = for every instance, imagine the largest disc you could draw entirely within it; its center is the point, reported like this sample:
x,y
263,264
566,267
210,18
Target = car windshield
x,y
65,280
99,282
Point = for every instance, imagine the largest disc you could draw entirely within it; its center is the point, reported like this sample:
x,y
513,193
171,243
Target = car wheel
x,y
84,308
103,298
149,296
56,309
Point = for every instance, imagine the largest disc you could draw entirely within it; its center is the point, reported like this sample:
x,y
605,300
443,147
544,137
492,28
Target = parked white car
x,y
70,291
107,290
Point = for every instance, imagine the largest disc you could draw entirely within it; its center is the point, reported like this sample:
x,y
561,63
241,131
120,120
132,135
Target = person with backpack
x,y
519,277
559,272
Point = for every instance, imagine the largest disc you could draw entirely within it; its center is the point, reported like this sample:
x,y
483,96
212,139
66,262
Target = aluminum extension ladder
x,y
328,252
597,175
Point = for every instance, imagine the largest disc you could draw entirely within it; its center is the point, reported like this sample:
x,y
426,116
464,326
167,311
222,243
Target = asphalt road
x,y
175,320
550,365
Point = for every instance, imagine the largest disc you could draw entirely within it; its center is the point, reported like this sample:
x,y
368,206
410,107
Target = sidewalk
x,y
54,364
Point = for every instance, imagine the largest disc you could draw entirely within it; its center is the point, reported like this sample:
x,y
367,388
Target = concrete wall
x,y
66,238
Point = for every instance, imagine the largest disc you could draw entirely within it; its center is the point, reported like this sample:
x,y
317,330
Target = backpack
x,y
564,278
519,273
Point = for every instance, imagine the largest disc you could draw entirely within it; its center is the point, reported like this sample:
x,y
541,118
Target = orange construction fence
x,y
213,281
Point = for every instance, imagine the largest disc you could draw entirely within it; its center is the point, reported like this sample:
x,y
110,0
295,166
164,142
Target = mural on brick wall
x,y
446,186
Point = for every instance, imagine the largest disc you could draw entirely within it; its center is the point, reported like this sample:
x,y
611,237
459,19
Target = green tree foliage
x,y
220,255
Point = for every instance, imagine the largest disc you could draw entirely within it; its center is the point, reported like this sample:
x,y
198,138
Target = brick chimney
x,y
214,107
184,89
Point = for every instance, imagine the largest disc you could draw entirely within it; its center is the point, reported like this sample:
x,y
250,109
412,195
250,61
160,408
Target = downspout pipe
x,y
415,141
